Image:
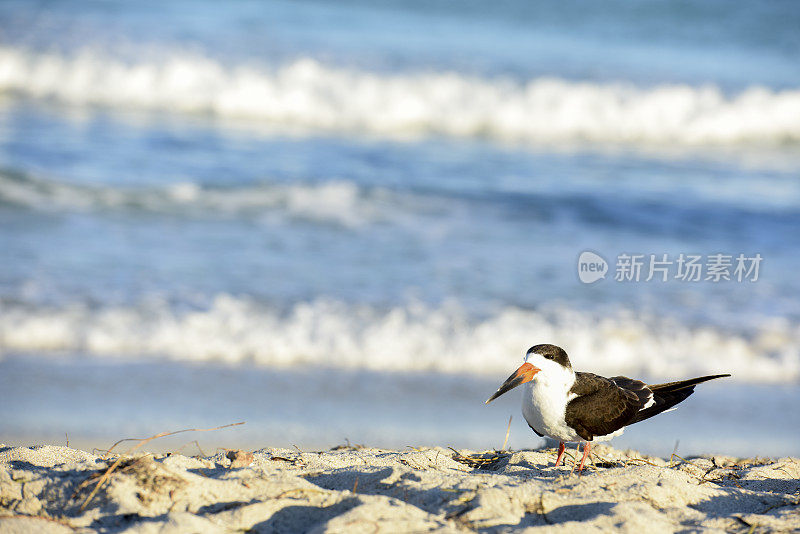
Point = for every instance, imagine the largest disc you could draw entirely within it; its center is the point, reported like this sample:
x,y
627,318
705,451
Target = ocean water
x,y
341,220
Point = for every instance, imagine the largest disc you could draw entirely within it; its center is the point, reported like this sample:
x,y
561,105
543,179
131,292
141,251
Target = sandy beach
x,y
349,222
356,489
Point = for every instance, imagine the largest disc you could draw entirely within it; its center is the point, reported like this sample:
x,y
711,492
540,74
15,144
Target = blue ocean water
x,y
365,214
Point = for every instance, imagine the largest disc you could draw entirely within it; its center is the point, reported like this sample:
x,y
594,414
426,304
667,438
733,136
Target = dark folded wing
x,y
602,406
666,396
642,390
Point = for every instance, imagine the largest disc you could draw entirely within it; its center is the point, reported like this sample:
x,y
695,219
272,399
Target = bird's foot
x,y
561,449
586,448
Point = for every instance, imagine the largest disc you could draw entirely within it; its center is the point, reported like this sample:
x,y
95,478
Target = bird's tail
x,y
665,396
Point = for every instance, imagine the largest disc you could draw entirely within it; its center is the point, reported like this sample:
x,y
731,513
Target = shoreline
x,y
50,402
359,489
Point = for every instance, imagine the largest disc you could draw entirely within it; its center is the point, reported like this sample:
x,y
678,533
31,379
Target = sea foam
x,y
413,337
314,96
336,201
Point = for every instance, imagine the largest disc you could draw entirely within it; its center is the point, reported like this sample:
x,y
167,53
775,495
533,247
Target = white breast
x,y
545,398
544,405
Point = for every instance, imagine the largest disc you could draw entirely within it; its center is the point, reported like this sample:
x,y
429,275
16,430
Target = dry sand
x,y
373,490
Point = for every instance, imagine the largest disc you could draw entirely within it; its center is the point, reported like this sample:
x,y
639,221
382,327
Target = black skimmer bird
x,y
573,406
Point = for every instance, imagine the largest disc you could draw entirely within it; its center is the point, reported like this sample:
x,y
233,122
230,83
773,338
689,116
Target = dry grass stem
x,y
107,474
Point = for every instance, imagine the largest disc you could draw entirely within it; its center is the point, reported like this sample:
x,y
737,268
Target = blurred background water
x,y
347,220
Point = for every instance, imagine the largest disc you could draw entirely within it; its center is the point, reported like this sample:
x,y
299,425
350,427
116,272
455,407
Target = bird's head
x,y
549,360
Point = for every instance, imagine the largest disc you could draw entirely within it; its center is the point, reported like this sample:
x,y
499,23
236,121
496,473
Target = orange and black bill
x,y
523,374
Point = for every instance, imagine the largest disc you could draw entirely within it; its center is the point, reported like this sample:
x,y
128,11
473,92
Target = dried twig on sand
x,y
483,460
508,431
107,474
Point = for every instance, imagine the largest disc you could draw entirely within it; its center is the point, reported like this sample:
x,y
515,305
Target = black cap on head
x,y
551,352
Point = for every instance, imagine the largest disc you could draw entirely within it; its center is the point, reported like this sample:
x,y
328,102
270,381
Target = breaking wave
x,y
307,94
339,202
407,338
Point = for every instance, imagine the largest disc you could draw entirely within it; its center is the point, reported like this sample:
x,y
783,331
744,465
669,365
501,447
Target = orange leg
x,y
586,449
561,449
